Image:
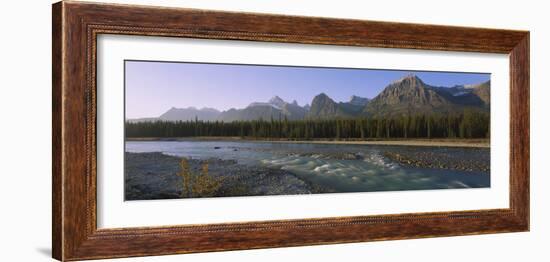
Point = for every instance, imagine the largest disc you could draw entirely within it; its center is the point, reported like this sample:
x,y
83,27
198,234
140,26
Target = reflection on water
x,y
345,168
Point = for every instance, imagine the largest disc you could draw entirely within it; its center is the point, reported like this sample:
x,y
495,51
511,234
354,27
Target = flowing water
x,y
344,168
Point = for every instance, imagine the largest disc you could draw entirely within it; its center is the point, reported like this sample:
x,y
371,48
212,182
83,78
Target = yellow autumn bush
x,y
201,185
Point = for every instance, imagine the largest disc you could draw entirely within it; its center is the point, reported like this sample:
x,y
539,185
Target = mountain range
x,y
408,95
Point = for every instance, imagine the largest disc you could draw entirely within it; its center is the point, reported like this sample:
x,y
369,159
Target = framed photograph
x,y
183,130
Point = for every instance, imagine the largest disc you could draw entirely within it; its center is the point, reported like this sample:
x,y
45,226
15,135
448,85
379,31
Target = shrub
x,y
201,185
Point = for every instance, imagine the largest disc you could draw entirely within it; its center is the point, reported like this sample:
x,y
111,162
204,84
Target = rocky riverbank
x,y
442,160
451,158
155,176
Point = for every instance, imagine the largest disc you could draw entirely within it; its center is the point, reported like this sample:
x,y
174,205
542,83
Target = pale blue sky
x,y
154,87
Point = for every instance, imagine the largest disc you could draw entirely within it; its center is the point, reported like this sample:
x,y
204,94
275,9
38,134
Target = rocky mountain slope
x,y
410,95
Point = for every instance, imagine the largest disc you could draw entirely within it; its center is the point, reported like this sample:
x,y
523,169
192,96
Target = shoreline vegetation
x,y
441,142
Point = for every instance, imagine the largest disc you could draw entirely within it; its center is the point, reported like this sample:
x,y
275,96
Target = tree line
x,y
468,124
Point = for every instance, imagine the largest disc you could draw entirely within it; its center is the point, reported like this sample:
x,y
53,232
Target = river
x,y
344,168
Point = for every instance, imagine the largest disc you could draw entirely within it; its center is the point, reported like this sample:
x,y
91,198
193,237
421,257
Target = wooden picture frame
x,y
76,26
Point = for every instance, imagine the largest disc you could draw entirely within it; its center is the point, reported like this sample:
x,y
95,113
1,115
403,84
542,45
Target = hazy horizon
x,y
154,87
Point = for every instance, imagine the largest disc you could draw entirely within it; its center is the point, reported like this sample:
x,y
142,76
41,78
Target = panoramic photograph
x,y
196,130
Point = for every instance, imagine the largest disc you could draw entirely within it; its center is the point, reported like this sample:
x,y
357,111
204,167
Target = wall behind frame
x,y
25,106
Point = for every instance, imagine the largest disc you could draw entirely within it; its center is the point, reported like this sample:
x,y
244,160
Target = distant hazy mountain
x,y
276,108
253,112
183,114
477,95
294,111
190,113
143,119
409,95
276,101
